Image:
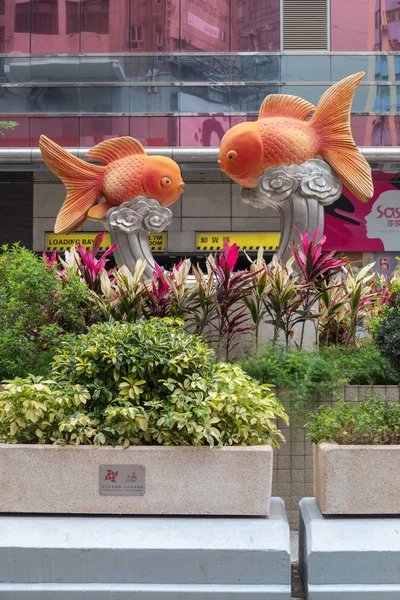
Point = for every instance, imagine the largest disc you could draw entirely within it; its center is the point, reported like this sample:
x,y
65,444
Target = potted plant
x,y
138,419
356,457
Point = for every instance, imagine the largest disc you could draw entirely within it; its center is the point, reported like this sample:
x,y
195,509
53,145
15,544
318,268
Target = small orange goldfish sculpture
x,y
283,136
128,173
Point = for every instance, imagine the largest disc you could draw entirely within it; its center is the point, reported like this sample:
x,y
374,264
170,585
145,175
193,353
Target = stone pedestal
x,y
348,558
145,558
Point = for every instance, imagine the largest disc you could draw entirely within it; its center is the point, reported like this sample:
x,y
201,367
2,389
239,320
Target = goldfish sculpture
x,y
284,135
128,173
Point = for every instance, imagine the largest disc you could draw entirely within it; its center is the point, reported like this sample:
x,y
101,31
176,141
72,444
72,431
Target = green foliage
x,y
312,376
131,360
142,383
387,334
372,421
37,306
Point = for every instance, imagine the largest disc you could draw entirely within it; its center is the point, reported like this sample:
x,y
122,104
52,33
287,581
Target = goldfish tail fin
x,y
331,121
82,181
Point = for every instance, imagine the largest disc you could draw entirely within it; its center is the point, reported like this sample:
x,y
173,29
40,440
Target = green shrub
x,y
372,421
37,306
387,335
313,375
142,383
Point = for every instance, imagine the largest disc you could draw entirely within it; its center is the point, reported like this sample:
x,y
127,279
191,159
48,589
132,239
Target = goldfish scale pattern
x,y
122,179
286,142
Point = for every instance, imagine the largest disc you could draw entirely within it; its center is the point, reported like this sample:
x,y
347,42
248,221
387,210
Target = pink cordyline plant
x,y
314,268
90,267
232,287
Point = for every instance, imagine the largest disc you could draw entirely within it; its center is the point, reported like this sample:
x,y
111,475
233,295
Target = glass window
x,y
54,100
249,99
366,130
342,66
96,16
203,131
22,17
44,17
305,68
355,26
111,69
312,93
390,98
390,125
153,100
207,67
72,23
155,131
205,26
257,67
137,37
205,99
94,130
17,137
53,69
14,100
104,99
62,130
154,69
15,70
255,26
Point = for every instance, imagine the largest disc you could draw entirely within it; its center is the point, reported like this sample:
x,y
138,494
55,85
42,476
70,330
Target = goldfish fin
x,y
331,121
283,105
111,150
98,213
82,182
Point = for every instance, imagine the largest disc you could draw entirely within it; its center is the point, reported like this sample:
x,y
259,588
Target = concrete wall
x,y
213,205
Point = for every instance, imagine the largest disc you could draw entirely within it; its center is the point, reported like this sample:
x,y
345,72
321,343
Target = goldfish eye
x,y
165,182
232,155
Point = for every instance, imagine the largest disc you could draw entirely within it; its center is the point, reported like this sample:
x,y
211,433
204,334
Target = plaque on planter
x,y
122,480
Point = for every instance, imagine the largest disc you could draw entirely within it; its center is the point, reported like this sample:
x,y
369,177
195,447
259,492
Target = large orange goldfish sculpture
x,y
128,173
283,136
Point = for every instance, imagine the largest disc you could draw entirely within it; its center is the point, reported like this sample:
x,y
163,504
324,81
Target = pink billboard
x,y
351,226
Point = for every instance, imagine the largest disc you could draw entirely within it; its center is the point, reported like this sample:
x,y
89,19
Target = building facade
x,y
179,73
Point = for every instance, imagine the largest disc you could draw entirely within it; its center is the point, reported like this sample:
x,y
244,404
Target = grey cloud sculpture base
x,y
297,192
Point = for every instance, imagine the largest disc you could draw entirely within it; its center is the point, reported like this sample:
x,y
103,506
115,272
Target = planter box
x,y
141,480
357,480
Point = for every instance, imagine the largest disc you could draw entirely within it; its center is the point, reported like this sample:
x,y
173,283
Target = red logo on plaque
x,y
111,476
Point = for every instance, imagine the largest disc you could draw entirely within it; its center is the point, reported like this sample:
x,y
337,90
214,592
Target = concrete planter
x,y
357,480
169,480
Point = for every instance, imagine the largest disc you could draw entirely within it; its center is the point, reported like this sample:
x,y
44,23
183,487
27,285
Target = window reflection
x,y
256,68
14,100
205,99
94,130
63,130
18,137
249,99
204,25
342,66
104,99
255,26
155,131
154,69
205,68
355,26
22,17
203,131
72,23
153,100
44,17
96,16
54,100
306,68
366,130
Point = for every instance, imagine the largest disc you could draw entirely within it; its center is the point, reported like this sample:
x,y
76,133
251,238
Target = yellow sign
x,y
157,241
245,241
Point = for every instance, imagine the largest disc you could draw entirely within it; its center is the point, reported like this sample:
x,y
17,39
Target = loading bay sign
x,y
122,480
244,241
61,242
